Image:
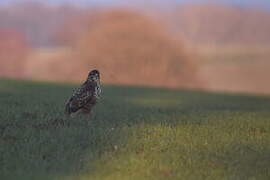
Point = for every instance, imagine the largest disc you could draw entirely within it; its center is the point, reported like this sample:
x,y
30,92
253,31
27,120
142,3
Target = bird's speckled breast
x,y
97,92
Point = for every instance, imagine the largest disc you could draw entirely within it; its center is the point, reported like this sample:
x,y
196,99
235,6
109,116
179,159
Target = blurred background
x,y
221,45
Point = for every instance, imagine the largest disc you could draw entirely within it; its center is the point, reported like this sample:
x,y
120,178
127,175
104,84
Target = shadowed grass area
x,y
134,133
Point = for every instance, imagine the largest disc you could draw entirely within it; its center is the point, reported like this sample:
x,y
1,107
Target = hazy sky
x,y
264,3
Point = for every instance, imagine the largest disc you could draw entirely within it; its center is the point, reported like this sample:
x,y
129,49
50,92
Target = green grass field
x,y
133,133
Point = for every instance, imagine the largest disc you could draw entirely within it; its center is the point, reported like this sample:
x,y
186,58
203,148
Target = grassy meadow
x,y
133,133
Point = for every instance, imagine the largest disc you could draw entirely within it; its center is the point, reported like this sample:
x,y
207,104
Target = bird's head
x,y
93,76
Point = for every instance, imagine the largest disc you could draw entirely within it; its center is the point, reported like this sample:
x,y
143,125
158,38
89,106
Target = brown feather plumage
x,y
86,96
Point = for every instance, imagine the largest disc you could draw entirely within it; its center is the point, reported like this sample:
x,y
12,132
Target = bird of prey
x,y
86,96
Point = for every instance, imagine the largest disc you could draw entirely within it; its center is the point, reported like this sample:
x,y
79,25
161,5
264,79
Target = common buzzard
x,y
86,96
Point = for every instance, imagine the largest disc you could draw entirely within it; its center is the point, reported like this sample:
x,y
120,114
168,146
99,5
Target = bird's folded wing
x,y
83,94
80,98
